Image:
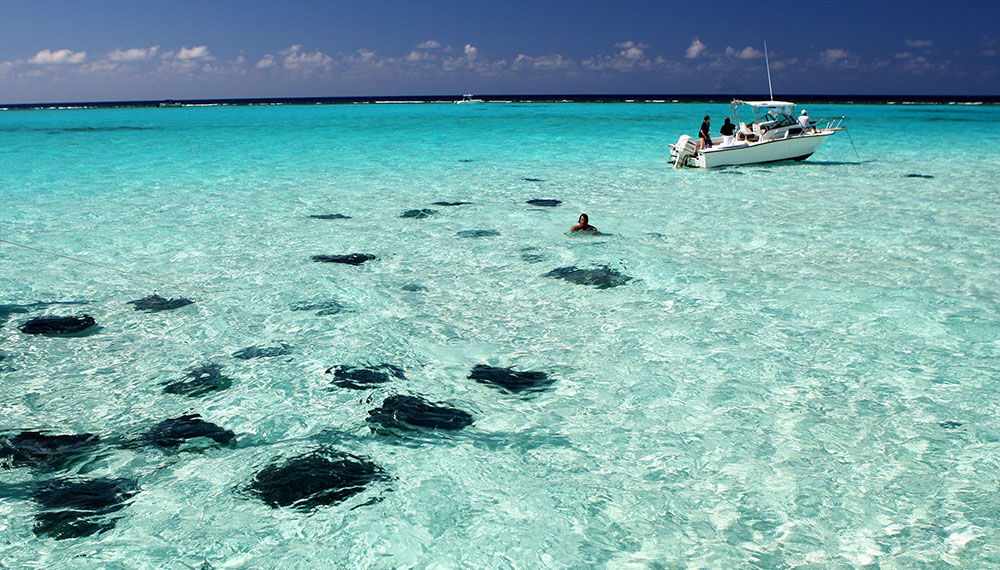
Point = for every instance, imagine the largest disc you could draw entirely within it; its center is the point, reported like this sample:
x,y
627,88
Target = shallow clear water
x,y
801,373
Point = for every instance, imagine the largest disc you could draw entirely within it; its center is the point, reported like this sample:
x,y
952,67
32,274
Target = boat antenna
x,y
768,65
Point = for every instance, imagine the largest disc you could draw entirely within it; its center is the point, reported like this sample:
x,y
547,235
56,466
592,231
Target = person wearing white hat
x,y
804,120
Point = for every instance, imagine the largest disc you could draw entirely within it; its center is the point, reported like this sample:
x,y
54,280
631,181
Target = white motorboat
x,y
773,134
468,98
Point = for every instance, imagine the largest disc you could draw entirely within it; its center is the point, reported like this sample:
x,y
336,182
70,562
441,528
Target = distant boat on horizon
x,y
468,98
169,103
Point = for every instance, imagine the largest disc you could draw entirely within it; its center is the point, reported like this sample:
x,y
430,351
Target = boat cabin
x,y
769,120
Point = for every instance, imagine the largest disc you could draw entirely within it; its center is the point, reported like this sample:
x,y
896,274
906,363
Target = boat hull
x,y
793,148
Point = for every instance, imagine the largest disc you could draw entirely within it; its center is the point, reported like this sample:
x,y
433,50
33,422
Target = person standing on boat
x,y
705,134
804,120
727,130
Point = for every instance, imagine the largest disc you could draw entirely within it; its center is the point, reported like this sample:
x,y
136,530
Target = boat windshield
x,y
773,120
765,113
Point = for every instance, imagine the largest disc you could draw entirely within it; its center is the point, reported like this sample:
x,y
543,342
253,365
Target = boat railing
x,y
831,123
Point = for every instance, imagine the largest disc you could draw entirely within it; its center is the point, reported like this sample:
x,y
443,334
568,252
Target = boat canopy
x,y
765,104
764,111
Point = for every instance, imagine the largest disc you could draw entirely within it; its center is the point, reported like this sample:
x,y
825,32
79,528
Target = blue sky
x,y
103,50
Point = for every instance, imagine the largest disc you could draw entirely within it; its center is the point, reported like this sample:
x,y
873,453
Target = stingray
x,y
58,326
412,412
362,378
547,203
312,480
478,233
509,379
155,303
322,308
267,351
418,214
202,380
450,203
329,217
600,277
76,508
174,433
348,259
39,449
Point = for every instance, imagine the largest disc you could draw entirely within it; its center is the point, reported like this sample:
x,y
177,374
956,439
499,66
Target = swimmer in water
x,y
583,226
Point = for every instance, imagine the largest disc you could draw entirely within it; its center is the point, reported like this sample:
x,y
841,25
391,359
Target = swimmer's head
x,y
583,219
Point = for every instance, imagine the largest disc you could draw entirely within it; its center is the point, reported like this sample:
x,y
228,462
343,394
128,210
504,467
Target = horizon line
x,y
517,98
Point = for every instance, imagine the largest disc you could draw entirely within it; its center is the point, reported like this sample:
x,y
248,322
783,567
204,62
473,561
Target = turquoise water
x,y
801,373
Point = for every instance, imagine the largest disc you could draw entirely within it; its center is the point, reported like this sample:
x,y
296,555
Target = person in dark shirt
x,y
705,134
727,131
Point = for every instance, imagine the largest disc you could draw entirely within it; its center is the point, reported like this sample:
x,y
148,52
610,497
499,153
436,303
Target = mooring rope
x,y
846,132
108,267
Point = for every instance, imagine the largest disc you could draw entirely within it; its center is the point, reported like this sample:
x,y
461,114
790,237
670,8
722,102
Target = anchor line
x,y
108,267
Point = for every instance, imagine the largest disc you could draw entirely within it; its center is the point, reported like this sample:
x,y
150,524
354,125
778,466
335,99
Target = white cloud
x,y
903,55
429,44
471,51
783,63
919,43
199,52
833,54
45,57
295,58
133,54
557,61
631,44
631,50
746,53
265,62
695,49
989,46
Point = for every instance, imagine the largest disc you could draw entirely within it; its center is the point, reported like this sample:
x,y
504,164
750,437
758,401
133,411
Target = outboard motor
x,y
685,148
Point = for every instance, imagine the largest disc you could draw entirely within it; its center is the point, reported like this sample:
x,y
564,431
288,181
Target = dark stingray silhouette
x,y
362,378
418,214
39,449
322,308
918,176
265,351
450,203
58,326
413,412
414,287
348,259
155,303
511,380
173,433
533,180
77,508
477,233
544,202
600,277
329,217
315,479
203,380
